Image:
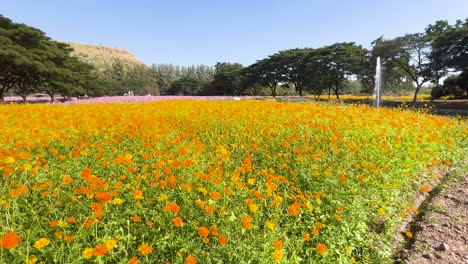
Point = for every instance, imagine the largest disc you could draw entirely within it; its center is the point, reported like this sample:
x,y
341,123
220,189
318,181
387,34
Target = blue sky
x,y
187,32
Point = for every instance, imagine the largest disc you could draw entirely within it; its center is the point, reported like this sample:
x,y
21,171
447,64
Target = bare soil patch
x,y
440,231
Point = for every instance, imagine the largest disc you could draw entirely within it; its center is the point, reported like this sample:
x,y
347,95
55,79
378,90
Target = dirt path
x,y
440,232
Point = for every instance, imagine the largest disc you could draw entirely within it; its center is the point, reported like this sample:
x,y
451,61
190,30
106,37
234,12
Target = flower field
x,y
213,181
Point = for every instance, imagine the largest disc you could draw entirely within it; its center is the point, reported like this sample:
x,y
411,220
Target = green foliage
x,y
186,86
32,62
449,44
227,79
409,53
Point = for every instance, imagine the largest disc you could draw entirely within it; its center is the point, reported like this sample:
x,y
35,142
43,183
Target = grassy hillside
x,y
102,55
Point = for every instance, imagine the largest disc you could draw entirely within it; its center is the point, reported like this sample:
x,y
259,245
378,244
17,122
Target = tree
x,y
18,62
266,72
68,74
411,54
186,86
331,66
227,79
290,65
449,44
30,61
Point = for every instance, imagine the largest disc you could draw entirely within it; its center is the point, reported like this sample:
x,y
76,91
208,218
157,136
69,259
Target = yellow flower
x,y
203,190
347,250
32,260
277,255
42,242
251,181
111,244
87,253
117,201
9,159
270,224
381,211
162,197
253,208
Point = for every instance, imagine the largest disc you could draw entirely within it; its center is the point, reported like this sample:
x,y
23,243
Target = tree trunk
x,y
2,99
51,95
337,93
273,90
416,93
24,98
329,93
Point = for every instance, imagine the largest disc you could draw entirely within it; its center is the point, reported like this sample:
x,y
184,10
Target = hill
x,y
102,56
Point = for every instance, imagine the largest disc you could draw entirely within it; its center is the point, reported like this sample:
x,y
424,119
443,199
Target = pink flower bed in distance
x,y
129,99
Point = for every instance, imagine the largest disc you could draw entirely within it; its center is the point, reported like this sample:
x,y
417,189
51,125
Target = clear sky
x,y
187,32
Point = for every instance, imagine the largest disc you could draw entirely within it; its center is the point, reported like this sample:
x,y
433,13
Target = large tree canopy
x,y
30,62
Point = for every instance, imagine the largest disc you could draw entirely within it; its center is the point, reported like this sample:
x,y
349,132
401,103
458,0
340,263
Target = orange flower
x,y
190,260
321,248
172,181
58,234
214,230
424,188
71,220
247,222
88,222
145,249
315,232
319,225
338,217
136,219
209,209
177,221
69,239
138,194
67,180
103,197
100,250
171,207
409,234
86,173
96,207
343,178
10,240
133,260
203,231
278,244
340,208
306,236
53,223
215,195
222,240
294,209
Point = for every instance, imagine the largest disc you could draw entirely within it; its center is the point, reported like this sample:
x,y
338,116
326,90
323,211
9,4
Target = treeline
x,y
119,78
30,62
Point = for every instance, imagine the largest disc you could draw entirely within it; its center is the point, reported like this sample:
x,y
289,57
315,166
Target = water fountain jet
x,y
378,80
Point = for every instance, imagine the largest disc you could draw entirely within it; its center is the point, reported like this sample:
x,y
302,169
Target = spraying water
x,y
378,80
